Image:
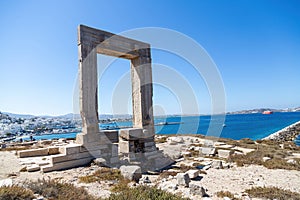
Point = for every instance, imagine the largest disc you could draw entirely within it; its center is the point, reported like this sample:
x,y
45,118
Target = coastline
x,y
288,133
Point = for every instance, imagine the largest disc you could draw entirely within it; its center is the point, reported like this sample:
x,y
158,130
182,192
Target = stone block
x,y
114,150
94,147
208,150
92,138
33,152
150,149
70,149
101,162
224,153
149,144
197,190
112,135
131,156
217,164
33,168
66,165
183,179
53,150
193,173
124,147
62,158
133,172
131,133
114,160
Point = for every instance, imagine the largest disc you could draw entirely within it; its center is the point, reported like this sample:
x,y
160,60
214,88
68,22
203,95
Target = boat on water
x,y
267,112
167,123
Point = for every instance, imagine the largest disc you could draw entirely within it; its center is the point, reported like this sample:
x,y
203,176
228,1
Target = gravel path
x,y
8,163
237,180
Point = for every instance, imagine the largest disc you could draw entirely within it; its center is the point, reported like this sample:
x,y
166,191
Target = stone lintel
x,y
131,133
109,44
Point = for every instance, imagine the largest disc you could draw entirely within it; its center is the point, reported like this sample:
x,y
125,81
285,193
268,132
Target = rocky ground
x,y
217,173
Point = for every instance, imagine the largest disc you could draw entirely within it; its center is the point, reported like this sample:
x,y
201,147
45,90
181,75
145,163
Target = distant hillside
x,y
25,116
261,110
128,116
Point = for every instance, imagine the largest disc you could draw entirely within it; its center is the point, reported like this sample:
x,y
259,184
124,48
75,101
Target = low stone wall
x,y
288,133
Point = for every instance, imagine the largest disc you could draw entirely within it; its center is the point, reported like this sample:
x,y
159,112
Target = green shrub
x,y
272,193
15,193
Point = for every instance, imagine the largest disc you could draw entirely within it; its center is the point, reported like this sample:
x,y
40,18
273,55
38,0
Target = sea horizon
x,y
236,126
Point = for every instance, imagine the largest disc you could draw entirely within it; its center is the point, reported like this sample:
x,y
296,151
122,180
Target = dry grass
x,y
185,168
16,148
278,163
162,139
166,174
228,194
101,175
197,144
120,186
272,151
15,193
59,191
144,193
272,193
194,154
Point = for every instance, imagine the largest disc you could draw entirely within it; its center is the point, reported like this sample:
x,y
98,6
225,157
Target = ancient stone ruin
x,y
124,147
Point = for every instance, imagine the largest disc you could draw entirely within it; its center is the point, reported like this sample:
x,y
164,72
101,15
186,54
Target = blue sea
x,y
238,126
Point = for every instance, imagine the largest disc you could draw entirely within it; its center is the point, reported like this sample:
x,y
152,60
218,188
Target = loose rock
x,y
183,179
133,173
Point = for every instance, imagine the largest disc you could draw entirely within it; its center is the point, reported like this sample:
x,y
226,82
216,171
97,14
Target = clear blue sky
x,y
255,44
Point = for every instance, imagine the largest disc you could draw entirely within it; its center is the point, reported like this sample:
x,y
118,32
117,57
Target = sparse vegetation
x,y
272,193
276,154
269,149
144,193
166,174
16,148
194,154
161,139
15,193
23,169
228,194
101,175
121,185
185,168
52,189
278,163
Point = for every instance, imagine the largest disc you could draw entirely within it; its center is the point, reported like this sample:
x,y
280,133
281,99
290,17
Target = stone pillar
x,y
88,88
88,91
142,92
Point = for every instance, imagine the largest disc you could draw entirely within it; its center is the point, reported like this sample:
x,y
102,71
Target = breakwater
x,y
288,133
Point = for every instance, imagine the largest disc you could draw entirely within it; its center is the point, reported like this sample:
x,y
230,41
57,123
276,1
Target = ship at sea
x,y
267,112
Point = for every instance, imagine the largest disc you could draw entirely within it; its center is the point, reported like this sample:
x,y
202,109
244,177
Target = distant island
x,y
129,116
261,110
